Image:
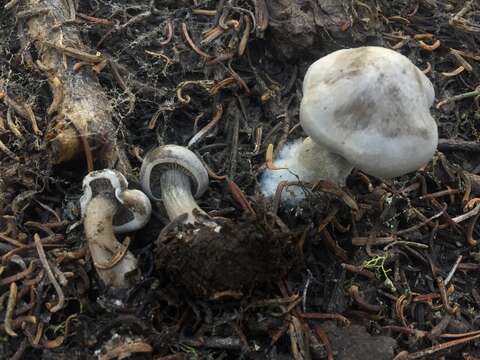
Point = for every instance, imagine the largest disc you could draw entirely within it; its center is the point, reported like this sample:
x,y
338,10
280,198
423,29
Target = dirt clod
x,y
231,257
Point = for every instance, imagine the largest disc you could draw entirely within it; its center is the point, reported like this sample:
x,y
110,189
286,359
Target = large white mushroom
x,y
367,108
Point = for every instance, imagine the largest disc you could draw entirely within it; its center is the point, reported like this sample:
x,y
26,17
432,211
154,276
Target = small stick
x,y
444,296
77,54
8,152
122,350
32,119
423,223
354,293
440,193
169,37
216,118
470,240
246,33
453,270
261,14
359,270
18,276
455,72
322,335
204,12
192,44
427,47
362,241
13,128
320,316
48,270
19,109
467,215
445,145
95,19
12,301
467,95
115,258
422,354
10,4
269,159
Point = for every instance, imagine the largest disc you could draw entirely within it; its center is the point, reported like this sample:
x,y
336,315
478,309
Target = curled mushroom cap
x,y
172,157
370,105
105,197
135,210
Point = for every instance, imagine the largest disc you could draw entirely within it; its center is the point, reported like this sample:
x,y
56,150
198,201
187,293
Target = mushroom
x,y
175,176
108,207
206,257
366,108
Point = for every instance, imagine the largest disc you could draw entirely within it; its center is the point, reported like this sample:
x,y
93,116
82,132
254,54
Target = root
x,y
79,107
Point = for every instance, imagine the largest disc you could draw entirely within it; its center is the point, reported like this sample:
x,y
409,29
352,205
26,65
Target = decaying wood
x,y
79,106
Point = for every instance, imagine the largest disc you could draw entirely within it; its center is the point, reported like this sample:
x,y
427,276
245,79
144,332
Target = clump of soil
x,y
233,257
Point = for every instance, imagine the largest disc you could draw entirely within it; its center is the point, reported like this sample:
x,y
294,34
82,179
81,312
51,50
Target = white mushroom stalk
x,y
174,176
367,108
177,195
108,207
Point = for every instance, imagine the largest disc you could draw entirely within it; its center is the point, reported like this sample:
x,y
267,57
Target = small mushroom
x,y
208,257
367,108
108,207
175,176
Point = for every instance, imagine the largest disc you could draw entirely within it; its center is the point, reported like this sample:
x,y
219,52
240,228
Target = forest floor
x,y
386,268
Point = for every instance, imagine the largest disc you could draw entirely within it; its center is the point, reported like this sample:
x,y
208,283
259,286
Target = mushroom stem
x,y
104,246
177,195
314,162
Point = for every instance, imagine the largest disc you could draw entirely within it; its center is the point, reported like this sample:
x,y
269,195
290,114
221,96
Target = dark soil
x,y
382,265
209,261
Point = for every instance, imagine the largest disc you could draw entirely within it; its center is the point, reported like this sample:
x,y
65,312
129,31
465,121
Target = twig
x,y
12,301
169,36
51,277
471,227
355,294
128,348
467,215
192,44
458,145
322,335
8,152
77,54
422,354
216,118
423,223
10,4
453,270
467,95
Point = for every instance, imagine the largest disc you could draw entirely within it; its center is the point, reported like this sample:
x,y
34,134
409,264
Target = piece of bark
x,y
79,107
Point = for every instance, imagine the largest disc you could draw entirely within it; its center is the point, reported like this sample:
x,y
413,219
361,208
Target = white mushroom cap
x,y
136,208
370,105
176,157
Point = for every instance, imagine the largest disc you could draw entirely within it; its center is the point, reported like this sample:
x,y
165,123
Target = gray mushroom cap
x,y
176,157
135,208
370,105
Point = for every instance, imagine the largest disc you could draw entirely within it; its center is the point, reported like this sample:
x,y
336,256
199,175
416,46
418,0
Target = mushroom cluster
x,y
366,108
109,207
